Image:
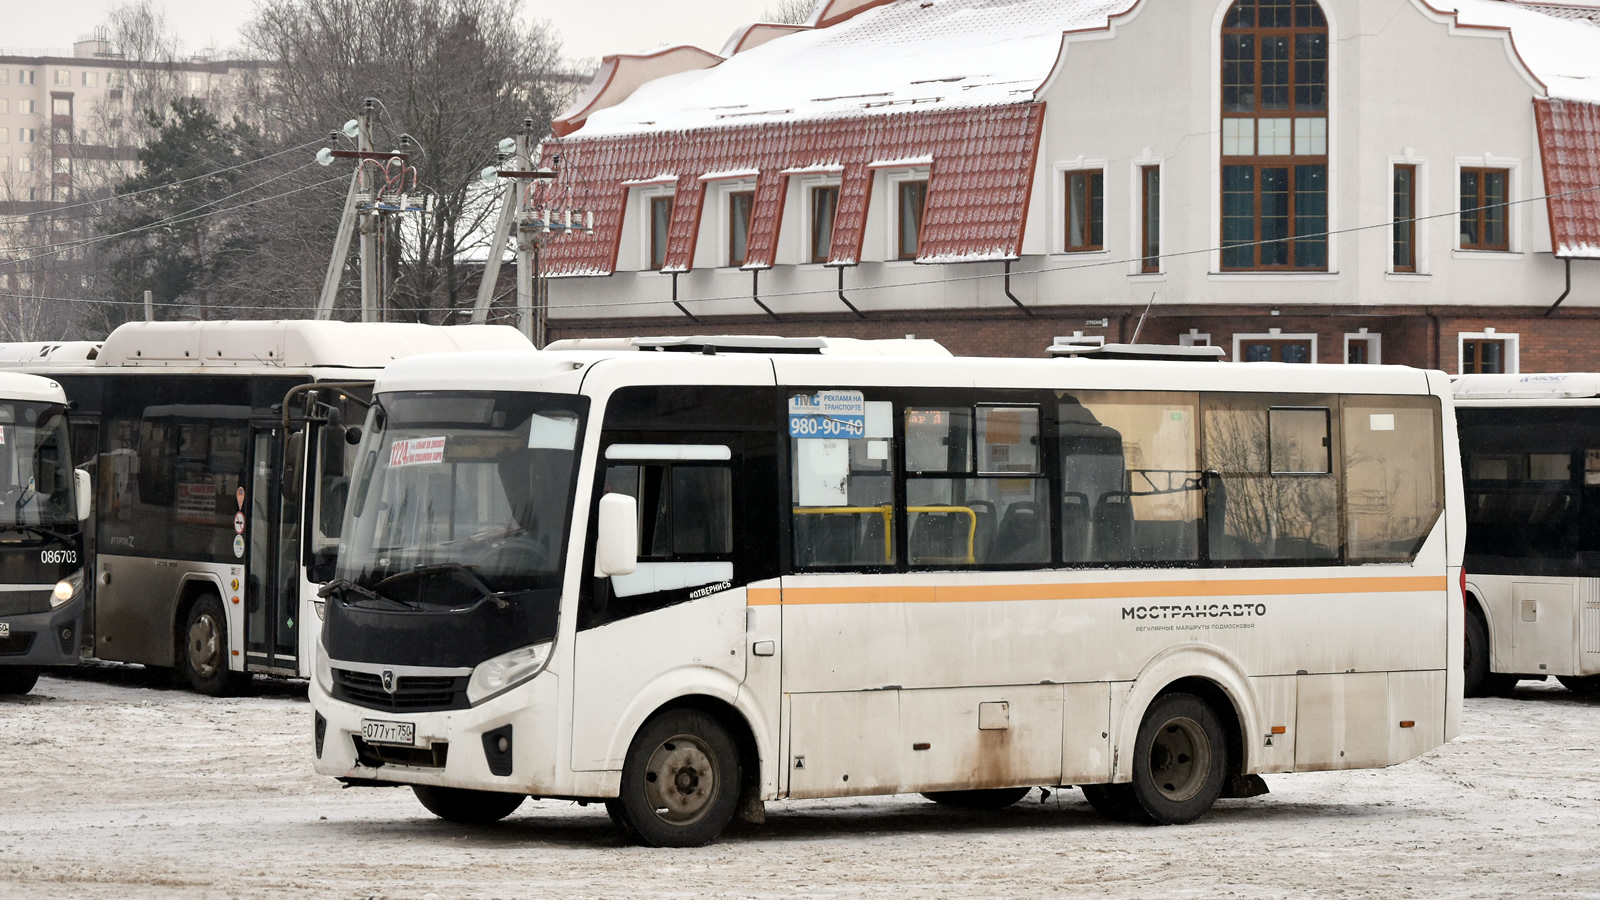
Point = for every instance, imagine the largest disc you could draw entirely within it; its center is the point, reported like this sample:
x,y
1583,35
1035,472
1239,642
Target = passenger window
x,y
843,490
1393,471
1130,482
1270,489
997,512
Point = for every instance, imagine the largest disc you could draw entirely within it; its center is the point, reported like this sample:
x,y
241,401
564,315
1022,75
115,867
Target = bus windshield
x,y
476,482
35,469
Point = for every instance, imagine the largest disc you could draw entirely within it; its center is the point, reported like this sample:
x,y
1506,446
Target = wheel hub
x,y
205,648
679,782
1180,759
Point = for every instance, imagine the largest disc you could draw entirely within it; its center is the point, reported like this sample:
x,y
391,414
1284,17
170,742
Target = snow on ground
x,y
111,789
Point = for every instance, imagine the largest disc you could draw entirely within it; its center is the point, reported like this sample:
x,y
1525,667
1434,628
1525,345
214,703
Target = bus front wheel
x,y
18,679
1179,761
205,648
1475,657
467,807
680,781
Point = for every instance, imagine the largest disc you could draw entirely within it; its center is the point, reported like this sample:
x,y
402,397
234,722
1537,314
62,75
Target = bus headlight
x,y
506,671
66,589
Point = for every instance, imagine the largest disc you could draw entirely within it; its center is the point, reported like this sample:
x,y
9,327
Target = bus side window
x,y
1277,496
975,493
1393,475
843,492
685,534
1130,479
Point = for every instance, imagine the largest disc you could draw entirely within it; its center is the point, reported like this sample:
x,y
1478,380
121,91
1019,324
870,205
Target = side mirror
x,y
352,435
617,541
85,493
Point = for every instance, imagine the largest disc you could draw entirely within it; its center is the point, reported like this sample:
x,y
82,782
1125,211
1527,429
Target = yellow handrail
x,y
887,512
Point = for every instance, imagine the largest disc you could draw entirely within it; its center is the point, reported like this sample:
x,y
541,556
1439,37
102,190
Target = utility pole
x,y
371,277
376,189
533,227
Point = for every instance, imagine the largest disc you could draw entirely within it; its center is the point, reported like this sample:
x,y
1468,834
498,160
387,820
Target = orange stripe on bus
x,y
1266,587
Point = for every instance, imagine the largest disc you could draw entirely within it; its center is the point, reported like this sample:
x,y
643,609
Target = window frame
x,y
1509,341
650,200
1274,335
918,182
1094,215
1481,212
1374,342
731,197
812,190
1404,221
1292,161
1149,244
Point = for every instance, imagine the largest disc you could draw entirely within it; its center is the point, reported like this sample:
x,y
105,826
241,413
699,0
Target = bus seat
x,y
1023,536
933,538
1113,526
983,544
1074,526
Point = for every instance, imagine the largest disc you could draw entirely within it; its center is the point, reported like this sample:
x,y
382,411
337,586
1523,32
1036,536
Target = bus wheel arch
x,y
697,734
200,607
1215,678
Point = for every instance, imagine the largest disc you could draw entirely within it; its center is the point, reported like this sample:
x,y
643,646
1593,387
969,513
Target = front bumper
x,y
460,748
44,638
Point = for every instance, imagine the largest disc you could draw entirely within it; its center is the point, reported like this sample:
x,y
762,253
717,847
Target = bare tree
x,y
789,12
455,76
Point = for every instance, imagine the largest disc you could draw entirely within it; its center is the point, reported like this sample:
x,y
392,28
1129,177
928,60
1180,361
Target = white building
x,y
1359,180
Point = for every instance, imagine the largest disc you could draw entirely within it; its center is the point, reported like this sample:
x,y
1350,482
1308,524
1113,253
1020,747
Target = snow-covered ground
x,y
112,789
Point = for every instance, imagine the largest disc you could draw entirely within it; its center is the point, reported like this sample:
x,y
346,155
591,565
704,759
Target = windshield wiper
x,y
39,530
453,569
346,586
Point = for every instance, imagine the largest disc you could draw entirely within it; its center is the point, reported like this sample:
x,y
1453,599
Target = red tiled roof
x,y
1569,145
980,179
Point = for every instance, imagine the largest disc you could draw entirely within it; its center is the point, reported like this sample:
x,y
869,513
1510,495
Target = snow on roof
x,y
1559,43
906,55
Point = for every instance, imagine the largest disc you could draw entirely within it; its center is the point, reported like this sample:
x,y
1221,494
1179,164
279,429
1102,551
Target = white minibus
x,y
687,576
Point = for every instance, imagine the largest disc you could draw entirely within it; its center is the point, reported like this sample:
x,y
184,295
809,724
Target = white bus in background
x,y
685,583
43,505
1530,454
206,543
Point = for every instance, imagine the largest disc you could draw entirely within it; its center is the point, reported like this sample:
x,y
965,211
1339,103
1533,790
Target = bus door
x,y
271,523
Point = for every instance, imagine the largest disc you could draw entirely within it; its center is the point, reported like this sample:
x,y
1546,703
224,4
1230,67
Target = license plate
x,y
5,629
374,731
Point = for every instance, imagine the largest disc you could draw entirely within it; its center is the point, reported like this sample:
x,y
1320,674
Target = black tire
x,y
992,798
467,807
1582,685
18,679
680,781
1475,657
203,648
1114,801
1180,760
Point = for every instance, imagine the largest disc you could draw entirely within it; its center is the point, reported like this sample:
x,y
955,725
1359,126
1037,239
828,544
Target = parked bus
x,y
43,503
685,583
205,550
1530,453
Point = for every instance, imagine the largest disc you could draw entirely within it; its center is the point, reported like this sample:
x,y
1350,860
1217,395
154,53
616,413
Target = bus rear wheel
x,y
467,807
18,679
680,781
1179,760
992,798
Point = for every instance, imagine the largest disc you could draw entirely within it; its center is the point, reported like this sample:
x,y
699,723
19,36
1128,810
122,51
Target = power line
x,y
160,187
177,218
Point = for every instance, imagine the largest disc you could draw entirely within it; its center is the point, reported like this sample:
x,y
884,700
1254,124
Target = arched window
x,y
1275,136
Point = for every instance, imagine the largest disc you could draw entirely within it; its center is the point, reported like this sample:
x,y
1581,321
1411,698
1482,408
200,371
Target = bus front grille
x,y
377,755
412,693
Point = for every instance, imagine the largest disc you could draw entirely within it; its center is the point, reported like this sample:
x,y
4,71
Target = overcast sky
x,y
588,28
